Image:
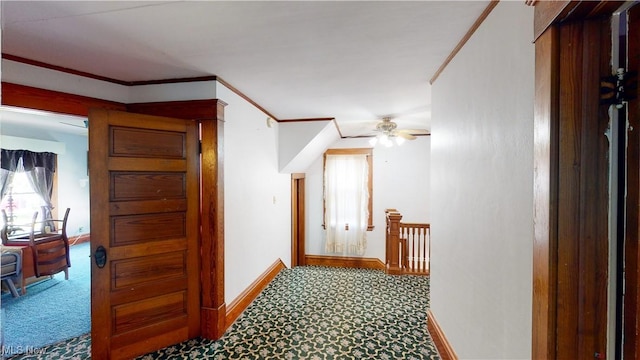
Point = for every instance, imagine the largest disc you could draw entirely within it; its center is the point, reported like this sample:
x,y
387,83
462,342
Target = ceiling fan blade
x,y
76,125
416,131
405,135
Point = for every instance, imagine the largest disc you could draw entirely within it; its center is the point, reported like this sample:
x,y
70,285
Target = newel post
x,y
393,243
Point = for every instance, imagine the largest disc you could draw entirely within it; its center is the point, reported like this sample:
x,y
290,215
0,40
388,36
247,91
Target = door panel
x,y
144,212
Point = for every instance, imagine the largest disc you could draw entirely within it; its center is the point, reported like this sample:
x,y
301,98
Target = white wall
x,y
482,190
73,187
257,197
295,136
400,180
30,75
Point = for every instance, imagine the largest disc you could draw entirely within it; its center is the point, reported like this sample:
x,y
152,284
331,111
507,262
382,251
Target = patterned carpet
x,y
311,313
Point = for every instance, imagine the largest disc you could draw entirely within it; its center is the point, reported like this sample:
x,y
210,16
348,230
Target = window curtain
x,y
6,177
39,167
9,162
346,204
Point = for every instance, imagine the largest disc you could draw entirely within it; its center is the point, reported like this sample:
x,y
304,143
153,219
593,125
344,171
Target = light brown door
x,y
143,174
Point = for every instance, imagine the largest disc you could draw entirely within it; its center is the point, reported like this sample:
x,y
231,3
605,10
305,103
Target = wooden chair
x,y
50,249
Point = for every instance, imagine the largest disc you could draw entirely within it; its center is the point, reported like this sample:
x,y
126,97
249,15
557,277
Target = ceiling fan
x,y
388,132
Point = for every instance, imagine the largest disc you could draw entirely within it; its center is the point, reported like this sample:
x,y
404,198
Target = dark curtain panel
x,y
39,167
10,159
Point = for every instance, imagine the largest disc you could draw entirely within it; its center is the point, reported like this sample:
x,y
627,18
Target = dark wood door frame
x,y
210,114
570,257
298,223
631,300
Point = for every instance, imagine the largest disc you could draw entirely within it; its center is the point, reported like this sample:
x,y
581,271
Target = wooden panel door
x,y
144,215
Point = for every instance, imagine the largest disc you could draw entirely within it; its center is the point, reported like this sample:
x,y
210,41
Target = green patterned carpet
x,y
312,313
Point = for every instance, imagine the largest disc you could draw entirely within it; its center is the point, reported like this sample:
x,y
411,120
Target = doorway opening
x,y
53,309
298,228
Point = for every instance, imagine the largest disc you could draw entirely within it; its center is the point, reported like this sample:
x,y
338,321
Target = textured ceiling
x,y
356,61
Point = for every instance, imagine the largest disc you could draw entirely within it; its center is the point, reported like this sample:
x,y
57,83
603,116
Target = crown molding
x,y
464,39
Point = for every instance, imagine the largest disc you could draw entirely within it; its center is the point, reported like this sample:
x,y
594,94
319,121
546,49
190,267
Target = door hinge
x,y
619,88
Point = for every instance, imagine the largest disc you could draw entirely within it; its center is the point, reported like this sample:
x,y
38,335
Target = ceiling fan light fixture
x,y
386,141
388,134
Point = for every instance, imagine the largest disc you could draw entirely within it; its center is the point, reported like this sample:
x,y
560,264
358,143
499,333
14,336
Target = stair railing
x,y
408,246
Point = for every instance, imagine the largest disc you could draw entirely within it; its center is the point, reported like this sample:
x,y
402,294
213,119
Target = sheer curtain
x,y
346,204
6,177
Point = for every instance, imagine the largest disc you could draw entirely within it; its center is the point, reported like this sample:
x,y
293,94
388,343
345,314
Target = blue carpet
x,y
53,310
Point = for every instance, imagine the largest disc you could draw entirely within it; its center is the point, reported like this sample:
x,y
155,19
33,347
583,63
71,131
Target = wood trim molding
x,y
55,101
349,151
464,39
439,339
103,78
212,225
545,221
245,97
173,81
212,321
62,69
79,239
240,303
548,13
307,119
345,262
187,109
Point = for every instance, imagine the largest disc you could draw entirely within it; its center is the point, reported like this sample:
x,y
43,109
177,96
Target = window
x,y
26,184
21,200
348,200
